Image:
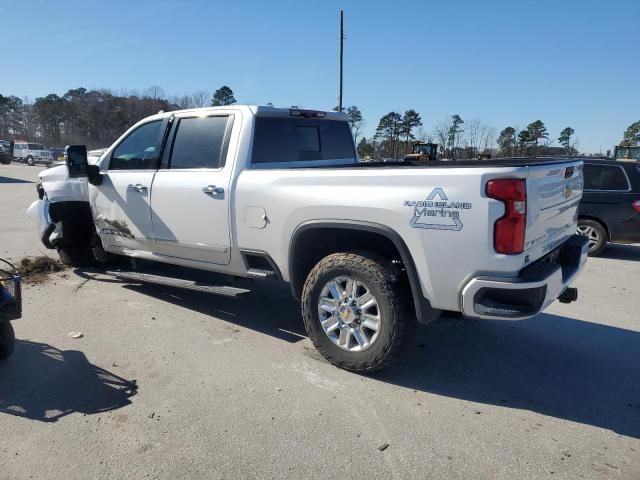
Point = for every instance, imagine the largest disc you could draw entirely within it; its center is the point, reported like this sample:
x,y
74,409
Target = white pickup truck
x,y
368,248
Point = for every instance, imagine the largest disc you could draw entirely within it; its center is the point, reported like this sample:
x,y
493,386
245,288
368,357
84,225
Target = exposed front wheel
x,y
7,340
596,234
354,312
77,256
30,161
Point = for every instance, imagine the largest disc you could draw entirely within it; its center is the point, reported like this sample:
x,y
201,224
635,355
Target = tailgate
x,y
553,194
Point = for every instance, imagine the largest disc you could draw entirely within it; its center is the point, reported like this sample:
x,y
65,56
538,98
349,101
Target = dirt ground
x,y
170,384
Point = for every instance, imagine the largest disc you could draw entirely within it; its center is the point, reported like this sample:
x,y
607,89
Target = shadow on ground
x,y
13,180
621,252
268,308
557,366
41,382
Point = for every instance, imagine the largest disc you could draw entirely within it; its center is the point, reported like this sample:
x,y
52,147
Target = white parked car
x,y
368,248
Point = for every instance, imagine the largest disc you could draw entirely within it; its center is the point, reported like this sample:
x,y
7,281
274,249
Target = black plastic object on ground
x,y
10,306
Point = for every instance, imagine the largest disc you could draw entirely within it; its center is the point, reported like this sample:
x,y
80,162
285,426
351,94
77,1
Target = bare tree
x,y
200,98
441,133
30,121
184,102
156,93
574,145
487,138
474,129
424,136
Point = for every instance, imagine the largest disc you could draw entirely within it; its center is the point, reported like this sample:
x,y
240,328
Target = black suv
x,y
610,206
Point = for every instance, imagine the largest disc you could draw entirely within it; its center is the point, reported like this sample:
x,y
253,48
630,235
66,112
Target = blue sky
x,y
570,63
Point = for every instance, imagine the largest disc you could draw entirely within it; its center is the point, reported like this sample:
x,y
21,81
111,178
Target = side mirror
x,y
79,167
77,160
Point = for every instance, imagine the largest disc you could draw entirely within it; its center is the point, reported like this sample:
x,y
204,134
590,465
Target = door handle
x,y
138,187
213,190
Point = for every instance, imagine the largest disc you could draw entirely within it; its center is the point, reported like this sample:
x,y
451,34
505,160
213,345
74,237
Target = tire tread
x,y
380,271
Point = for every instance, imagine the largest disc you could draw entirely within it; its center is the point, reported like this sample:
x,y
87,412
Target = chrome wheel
x,y
591,233
349,314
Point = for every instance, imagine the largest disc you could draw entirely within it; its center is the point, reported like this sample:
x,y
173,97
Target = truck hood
x,y
92,158
60,188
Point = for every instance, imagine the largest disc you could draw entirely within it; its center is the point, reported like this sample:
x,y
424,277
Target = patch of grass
x,y
36,270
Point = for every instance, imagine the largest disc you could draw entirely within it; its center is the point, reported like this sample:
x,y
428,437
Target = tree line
x,y
460,139
98,117
95,118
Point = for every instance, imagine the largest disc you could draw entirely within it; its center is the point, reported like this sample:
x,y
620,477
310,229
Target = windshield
x,y
628,153
36,146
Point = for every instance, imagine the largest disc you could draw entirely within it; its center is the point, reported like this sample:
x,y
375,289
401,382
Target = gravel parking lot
x,y
172,384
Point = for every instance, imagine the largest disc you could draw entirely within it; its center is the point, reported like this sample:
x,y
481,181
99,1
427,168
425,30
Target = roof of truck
x,y
262,111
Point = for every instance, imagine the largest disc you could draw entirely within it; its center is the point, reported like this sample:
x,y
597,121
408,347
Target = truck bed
x,y
495,162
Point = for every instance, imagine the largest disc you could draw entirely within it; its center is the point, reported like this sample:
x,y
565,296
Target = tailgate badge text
x,y
440,214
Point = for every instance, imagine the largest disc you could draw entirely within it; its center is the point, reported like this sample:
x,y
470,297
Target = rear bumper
x,y
532,291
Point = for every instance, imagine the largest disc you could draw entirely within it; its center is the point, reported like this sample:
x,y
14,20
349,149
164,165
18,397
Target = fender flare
x,y
424,312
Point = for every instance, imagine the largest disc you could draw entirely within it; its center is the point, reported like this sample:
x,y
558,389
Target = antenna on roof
x,y
340,64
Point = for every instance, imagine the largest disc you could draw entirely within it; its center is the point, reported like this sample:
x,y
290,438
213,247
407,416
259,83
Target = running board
x,y
138,277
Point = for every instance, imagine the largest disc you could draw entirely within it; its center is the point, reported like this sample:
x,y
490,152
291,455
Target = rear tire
x,y
77,256
7,340
596,233
339,321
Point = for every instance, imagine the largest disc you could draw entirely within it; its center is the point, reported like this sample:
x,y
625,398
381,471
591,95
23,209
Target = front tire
x,y
7,340
77,256
354,312
596,234
30,161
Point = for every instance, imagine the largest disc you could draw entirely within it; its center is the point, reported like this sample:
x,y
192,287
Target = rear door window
x,y
605,177
199,142
279,140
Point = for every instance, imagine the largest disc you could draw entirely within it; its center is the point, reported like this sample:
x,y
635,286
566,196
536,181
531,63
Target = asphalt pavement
x,y
169,384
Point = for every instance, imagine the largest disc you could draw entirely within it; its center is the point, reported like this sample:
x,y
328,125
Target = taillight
x,y
509,230
636,205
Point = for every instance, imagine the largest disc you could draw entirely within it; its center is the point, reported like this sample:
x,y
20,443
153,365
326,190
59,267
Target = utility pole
x,y
340,68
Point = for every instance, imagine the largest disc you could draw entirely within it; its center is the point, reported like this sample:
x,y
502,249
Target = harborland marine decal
x,y
441,214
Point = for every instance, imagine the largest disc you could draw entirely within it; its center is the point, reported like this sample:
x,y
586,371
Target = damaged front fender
x,y
39,212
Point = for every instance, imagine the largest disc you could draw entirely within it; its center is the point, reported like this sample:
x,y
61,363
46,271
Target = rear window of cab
x,y
282,142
